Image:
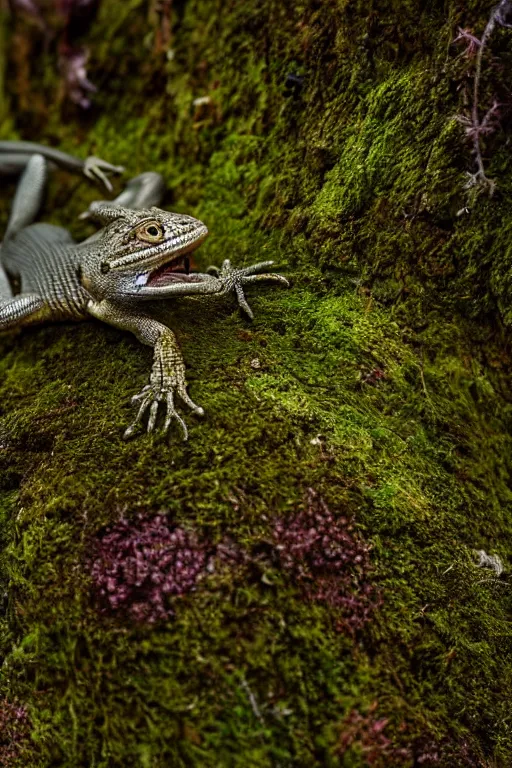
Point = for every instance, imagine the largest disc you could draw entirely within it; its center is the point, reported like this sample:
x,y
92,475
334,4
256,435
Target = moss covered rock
x,y
355,452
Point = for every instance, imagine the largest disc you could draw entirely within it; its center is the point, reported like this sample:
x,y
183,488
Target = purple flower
x,y
72,63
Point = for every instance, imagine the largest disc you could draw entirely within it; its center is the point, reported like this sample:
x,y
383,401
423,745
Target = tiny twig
x,y
474,111
474,127
252,700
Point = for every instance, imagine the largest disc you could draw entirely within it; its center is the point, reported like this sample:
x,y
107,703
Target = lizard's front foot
x,y
94,168
236,279
167,379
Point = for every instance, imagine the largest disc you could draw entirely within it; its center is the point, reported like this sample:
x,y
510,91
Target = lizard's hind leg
x,y
29,196
143,191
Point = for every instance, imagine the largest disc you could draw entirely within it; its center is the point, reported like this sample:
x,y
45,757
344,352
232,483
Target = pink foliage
x,y
138,566
474,126
328,561
14,729
366,733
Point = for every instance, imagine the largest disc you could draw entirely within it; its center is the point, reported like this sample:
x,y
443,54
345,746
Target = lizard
x,y
141,254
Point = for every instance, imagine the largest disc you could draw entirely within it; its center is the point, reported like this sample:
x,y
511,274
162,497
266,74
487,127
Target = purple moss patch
x,y
430,753
366,734
14,730
139,566
328,561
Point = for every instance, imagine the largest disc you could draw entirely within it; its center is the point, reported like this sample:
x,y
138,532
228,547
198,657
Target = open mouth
x,y
175,271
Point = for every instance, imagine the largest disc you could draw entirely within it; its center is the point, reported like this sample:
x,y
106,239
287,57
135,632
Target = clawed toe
x,y
141,395
173,414
94,168
150,398
267,277
152,415
236,279
242,301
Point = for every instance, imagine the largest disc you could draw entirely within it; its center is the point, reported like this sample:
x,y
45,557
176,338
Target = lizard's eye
x,y
150,233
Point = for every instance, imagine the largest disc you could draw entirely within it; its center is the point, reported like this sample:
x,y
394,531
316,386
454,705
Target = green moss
x,y
380,379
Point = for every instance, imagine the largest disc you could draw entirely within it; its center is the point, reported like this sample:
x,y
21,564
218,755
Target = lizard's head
x,y
144,252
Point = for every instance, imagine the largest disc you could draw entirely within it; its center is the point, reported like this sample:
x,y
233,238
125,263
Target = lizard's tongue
x,y
176,271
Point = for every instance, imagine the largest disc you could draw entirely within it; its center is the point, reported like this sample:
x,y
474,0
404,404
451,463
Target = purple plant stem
x,y
498,15
474,112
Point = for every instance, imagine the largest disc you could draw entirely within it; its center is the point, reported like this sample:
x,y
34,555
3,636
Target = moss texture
x,y
381,380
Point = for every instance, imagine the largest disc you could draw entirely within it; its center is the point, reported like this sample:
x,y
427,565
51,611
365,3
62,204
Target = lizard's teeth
x,y
142,278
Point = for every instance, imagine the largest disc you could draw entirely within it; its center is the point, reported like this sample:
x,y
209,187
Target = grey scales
x,y
140,254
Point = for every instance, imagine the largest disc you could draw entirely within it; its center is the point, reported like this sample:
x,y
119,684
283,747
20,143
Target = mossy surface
x,y
380,379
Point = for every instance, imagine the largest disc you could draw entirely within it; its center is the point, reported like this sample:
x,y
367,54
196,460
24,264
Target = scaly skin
x,y
110,275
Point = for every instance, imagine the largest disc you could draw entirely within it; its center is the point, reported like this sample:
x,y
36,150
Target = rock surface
x,y
323,135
